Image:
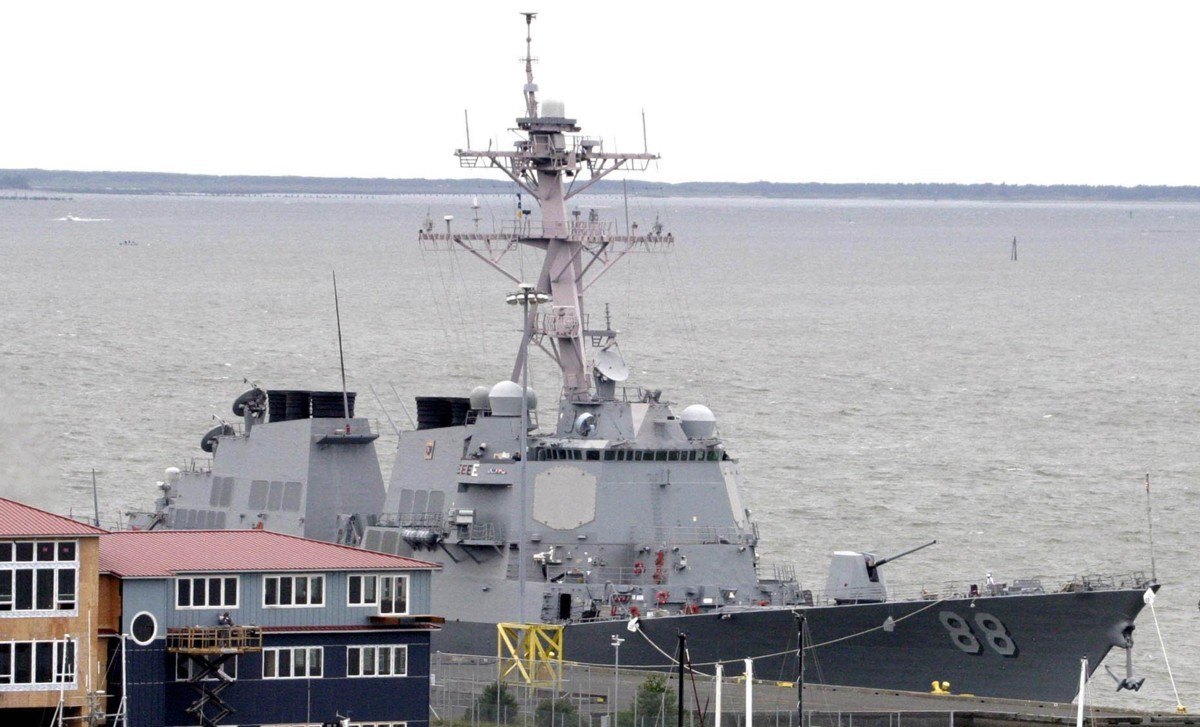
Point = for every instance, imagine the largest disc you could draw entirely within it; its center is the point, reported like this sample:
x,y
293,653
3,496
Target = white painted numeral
x,y
992,631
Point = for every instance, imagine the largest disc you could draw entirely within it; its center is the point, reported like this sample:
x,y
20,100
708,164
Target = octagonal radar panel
x,y
610,364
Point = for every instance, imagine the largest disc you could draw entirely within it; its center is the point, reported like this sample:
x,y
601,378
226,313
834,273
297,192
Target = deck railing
x,y
214,640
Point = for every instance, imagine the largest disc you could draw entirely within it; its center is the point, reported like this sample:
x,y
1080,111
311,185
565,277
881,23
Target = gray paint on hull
x,y
1052,632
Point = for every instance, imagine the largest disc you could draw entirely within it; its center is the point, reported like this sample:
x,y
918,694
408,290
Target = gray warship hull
x,y
1050,633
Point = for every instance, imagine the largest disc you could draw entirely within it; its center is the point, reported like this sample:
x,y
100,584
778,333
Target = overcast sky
x,y
836,91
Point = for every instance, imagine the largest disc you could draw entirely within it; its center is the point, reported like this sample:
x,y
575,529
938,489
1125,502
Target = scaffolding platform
x,y
214,640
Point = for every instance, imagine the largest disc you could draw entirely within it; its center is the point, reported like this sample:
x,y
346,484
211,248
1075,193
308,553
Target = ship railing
x,y
1024,586
411,519
776,572
592,233
646,575
481,534
197,465
657,537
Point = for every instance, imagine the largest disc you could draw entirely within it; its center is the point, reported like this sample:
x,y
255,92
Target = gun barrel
x,y
907,552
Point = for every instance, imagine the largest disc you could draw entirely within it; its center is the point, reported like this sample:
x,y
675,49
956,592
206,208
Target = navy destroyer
x,y
620,515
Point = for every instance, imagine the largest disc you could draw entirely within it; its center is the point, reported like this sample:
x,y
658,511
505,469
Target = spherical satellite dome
x,y
479,398
698,421
506,399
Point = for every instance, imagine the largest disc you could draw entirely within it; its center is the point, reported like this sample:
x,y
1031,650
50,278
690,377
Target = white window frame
x,y
62,603
363,579
274,656
377,650
153,622
308,579
67,680
192,580
394,578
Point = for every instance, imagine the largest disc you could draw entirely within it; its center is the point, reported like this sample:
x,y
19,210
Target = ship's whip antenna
x,y
530,86
341,357
1150,530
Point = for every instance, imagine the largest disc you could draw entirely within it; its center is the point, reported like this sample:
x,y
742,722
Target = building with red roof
x,y
51,615
198,626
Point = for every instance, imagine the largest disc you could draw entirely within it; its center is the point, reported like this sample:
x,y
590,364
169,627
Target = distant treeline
x,y
42,181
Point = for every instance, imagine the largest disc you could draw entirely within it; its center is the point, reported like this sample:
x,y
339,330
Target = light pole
x,y
616,644
523,297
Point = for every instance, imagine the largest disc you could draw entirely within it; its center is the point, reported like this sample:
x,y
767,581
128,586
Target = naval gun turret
x,y
855,577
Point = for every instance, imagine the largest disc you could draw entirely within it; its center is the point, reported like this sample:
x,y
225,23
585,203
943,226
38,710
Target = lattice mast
x,y
548,154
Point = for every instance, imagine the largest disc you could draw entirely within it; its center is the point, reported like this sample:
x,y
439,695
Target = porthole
x,y
143,628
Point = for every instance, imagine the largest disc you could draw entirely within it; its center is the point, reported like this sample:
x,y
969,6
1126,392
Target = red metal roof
x,y
162,553
22,521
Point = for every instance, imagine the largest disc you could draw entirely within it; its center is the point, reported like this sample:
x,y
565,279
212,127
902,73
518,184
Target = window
x,y
293,591
207,592
37,662
143,628
376,661
300,662
389,591
186,668
38,575
362,590
393,594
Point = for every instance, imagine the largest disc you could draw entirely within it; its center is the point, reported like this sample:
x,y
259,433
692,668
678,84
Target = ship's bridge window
x,y
660,456
609,455
673,456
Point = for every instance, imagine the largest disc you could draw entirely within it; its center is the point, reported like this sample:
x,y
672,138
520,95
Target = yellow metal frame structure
x,y
535,651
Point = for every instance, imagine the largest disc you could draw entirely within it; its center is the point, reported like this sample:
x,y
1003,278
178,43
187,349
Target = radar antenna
x,y
531,109
549,152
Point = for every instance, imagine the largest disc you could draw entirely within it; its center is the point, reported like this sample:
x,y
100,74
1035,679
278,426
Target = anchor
x,y
1129,681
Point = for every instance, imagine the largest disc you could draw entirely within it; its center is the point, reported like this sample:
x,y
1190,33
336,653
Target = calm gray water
x,y
885,373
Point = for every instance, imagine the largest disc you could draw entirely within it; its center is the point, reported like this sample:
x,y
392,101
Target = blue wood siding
x,y
156,699
157,596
